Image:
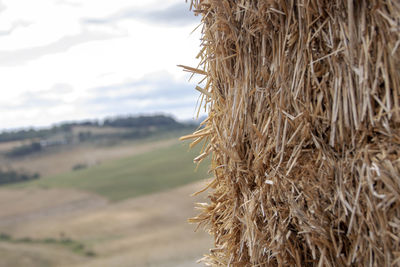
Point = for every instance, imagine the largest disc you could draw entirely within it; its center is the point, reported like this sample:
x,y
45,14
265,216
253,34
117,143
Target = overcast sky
x,y
63,60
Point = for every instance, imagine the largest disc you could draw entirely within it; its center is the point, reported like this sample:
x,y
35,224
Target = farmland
x,y
145,173
128,209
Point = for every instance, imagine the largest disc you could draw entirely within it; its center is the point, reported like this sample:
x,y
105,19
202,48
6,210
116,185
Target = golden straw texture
x,y
303,129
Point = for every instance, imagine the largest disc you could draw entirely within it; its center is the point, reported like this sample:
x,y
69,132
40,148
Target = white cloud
x,y
48,43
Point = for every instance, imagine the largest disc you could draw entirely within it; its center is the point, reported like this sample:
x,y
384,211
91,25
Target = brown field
x,y
63,159
6,146
149,230
145,231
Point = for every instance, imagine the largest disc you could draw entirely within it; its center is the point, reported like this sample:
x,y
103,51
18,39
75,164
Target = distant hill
x,y
139,123
109,130
142,121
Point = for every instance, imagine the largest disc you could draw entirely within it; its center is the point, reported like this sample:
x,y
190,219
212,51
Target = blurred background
x,y
91,169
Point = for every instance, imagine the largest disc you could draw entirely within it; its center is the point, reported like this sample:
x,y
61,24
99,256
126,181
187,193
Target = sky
x,y
68,60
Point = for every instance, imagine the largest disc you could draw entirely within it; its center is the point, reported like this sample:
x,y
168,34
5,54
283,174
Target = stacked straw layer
x,y
304,131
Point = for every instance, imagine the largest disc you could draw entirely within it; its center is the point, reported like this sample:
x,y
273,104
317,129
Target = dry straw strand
x,y
303,129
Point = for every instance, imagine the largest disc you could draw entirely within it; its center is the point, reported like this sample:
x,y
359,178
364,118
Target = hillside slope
x,y
130,210
146,231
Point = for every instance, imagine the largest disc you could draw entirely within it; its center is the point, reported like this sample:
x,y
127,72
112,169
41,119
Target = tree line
x,y
138,122
11,176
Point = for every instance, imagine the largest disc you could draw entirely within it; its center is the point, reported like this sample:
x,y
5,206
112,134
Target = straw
x,y
303,129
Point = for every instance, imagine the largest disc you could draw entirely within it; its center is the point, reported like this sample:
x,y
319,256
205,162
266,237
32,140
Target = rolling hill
x,y
128,209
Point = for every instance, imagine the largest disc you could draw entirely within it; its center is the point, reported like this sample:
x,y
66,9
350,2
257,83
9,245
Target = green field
x,y
133,176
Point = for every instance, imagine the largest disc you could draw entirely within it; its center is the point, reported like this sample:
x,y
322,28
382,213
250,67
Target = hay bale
x,y
304,131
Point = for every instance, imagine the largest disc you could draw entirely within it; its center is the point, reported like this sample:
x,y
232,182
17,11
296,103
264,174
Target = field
x,y
130,209
62,159
145,173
